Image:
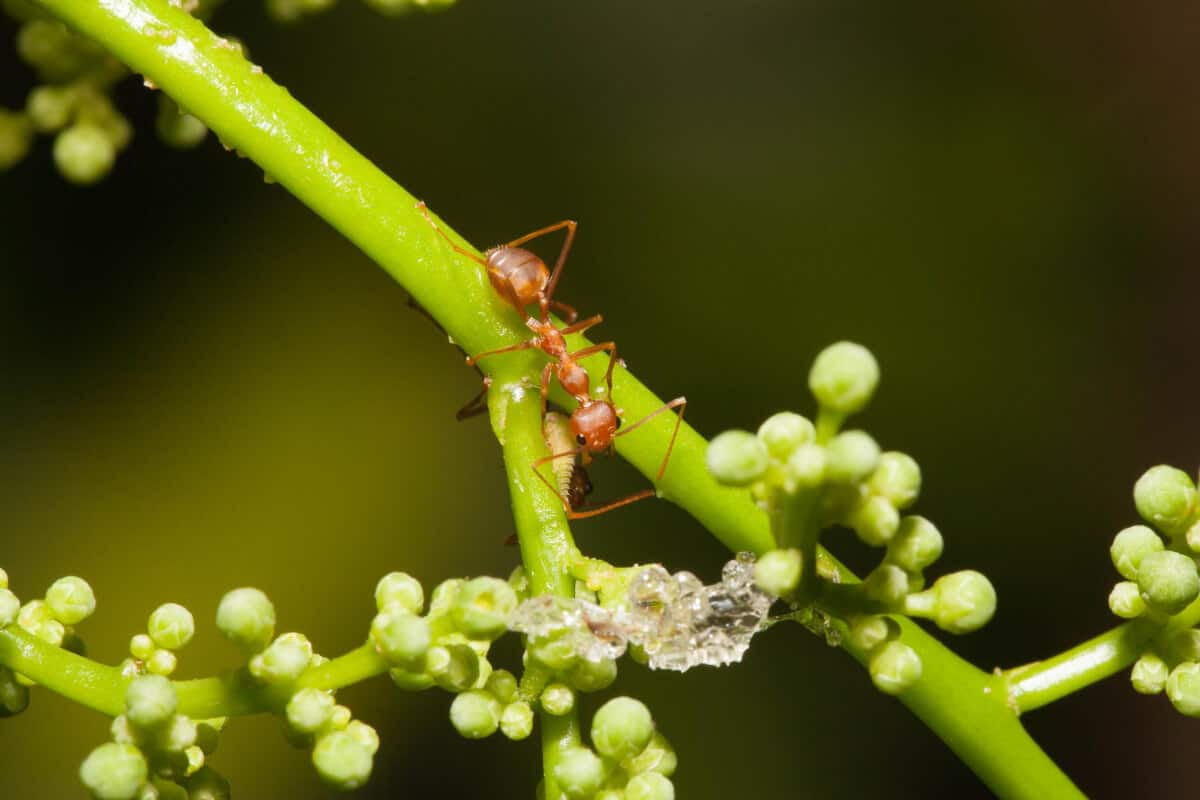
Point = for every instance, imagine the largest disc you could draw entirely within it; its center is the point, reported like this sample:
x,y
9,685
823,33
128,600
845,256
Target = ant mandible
x,y
522,279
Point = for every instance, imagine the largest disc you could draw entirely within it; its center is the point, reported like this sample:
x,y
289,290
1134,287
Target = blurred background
x,y
206,387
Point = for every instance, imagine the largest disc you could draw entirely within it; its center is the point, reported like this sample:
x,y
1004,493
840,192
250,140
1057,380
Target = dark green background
x,y
204,386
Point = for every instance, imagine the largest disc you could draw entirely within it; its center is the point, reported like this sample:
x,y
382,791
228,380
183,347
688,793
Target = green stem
x,y
1034,685
77,678
547,547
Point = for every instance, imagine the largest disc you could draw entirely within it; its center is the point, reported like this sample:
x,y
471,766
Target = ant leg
x,y
546,388
512,348
678,402
477,404
567,311
569,224
611,349
454,245
580,327
624,501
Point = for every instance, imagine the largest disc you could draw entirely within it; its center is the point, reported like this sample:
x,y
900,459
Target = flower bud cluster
x,y
155,752
628,759
169,629
1159,563
68,602
809,477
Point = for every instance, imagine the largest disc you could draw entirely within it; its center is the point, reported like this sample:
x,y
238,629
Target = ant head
x,y
594,423
517,274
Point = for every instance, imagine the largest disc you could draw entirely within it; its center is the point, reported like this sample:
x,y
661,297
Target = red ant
x,y
522,279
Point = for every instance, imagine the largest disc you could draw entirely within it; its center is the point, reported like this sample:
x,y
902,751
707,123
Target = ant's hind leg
x,y
477,404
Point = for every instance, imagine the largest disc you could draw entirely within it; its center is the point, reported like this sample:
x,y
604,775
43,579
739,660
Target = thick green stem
x,y
547,548
86,682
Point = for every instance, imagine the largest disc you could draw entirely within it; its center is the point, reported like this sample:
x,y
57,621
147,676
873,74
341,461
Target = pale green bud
x,y
868,632
592,676
852,456
782,433
84,153
483,607
14,696
806,467
898,478
70,600
16,137
622,728
875,520
1149,675
284,660
150,701
887,584
114,771
960,602
141,647
309,709
247,618
1125,601
1183,688
516,721
650,786
10,606
1168,581
171,626
658,756
455,667
162,662
777,572
558,653
1193,538
1130,546
177,735
737,458
208,784
342,760
916,545
401,637
176,127
411,681
579,773
49,107
475,714
444,596
400,588
843,377
557,699
1166,498
894,667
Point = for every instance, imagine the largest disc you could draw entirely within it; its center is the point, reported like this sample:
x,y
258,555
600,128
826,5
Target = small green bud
x,y
898,478
557,653
806,467
84,153
1168,581
70,600
14,697
141,647
621,728
342,760
10,606
483,607
1149,675
50,107
475,714
875,520
365,735
778,571
852,456
284,660
592,676
16,136
518,579
455,667
247,618
444,596
1130,546
557,699
207,784
3,579
502,685
516,721
308,710
1193,538
1183,688
868,632
162,662
411,681
579,773
843,377
400,588
150,701
960,602
916,545
177,735
887,584
894,667
1125,601
401,637
737,458
782,433
339,718
658,756
176,127
1166,498
122,730
114,771
171,626
650,786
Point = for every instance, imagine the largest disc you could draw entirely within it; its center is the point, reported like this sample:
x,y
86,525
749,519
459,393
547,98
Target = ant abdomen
x,y
517,274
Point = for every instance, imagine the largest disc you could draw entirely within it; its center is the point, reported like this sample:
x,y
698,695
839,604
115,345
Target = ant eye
x,y
581,439
618,424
